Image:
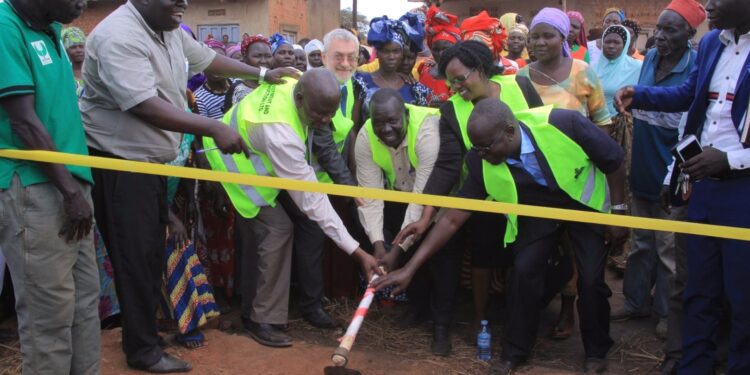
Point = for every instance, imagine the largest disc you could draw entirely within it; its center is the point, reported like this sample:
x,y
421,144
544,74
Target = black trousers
x,y
131,214
434,286
307,253
537,240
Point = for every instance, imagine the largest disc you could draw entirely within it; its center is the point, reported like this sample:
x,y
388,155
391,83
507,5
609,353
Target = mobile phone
x,y
687,148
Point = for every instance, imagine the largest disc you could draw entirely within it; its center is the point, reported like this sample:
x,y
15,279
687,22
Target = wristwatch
x,y
620,207
262,74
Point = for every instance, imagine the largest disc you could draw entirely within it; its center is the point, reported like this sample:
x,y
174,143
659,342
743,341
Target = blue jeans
x,y
717,267
651,262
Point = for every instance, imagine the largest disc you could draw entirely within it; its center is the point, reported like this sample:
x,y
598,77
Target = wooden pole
x,y
354,15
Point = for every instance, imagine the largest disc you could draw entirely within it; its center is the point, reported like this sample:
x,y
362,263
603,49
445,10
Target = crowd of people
x,y
539,113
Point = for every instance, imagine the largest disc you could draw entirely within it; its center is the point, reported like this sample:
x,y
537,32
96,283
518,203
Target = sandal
x,y
191,340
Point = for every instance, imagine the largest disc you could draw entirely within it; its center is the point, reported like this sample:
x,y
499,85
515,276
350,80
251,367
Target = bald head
x,y
489,116
317,96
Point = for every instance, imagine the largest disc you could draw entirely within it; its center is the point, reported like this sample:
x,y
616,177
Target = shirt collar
x,y
143,23
526,146
727,36
684,61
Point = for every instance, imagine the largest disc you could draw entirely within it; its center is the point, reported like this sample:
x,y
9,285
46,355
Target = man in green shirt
x,y
45,209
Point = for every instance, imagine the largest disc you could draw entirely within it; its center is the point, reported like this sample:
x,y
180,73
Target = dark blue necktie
x,y
344,93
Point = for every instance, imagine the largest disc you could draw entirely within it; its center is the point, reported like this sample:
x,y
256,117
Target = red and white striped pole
x,y
341,355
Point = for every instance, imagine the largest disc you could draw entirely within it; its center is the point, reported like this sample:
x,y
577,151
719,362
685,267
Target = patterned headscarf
x,y
233,49
558,20
213,43
407,31
249,41
509,20
485,29
441,26
619,12
277,40
581,38
73,36
634,26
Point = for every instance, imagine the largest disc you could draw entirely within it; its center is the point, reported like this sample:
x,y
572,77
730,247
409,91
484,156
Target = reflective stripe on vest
x,y
342,126
510,94
266,103
380,153
567,161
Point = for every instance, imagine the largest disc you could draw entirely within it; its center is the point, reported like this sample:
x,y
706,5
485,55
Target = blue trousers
x,y
717,267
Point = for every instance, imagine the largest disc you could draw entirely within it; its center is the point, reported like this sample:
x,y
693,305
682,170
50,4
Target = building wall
x,y
322,17
95,12
249,14
288,16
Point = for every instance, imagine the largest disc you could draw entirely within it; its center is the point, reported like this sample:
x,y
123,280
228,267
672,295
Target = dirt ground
x,y
382,349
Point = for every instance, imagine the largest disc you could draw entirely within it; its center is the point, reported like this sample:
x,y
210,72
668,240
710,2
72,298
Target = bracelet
x,y
262,75
620,207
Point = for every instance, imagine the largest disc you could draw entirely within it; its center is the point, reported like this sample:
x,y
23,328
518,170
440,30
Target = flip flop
x,y
190,340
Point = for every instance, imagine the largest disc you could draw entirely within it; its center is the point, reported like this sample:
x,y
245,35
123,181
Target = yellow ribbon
x,y
386,195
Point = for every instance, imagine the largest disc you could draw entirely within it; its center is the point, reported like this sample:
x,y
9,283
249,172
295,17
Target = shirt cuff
x,y
739,159
348,244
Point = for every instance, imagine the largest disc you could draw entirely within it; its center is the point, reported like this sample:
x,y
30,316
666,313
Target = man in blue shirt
x,y
653,260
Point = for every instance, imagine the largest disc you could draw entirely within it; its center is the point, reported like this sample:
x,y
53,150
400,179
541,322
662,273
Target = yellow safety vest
x,y
571,167
380,154
343,124
265,105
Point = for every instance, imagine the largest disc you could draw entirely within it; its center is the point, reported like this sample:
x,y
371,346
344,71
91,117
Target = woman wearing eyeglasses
x,y
472,74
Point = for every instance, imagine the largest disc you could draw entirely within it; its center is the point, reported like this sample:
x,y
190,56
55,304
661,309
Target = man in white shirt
x,y
716,96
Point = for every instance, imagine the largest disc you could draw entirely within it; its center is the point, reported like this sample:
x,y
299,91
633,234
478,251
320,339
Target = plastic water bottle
x,y
484,340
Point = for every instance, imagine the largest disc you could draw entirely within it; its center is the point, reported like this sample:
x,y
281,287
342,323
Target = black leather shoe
x,y
502,367
595,365
441,340
320,318
166,364
669,367
266,335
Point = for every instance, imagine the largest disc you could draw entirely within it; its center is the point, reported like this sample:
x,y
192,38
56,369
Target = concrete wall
x,y
249,14
322,17
95,12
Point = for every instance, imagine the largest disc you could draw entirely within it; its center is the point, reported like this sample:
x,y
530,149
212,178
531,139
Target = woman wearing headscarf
x,y
442,33
577,36
516,45
255,51
300,58
390,38
282,51
615,68
314,52
634,29
234,52
559,79
569,84
492,33
612,16
74,41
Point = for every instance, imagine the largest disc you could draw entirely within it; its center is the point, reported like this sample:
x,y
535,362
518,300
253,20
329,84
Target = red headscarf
x,y
485,29
581,38
441,26
250,40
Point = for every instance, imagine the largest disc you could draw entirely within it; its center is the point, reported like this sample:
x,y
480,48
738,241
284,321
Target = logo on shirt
x,y
42,52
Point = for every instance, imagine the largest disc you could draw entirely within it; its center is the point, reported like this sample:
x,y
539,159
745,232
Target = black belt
x,y
731,174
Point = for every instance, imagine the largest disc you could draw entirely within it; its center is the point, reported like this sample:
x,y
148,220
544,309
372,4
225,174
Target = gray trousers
x,y
56,283
651,262
673,345
266,265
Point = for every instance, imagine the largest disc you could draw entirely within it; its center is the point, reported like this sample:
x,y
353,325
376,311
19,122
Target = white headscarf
x,y
310,47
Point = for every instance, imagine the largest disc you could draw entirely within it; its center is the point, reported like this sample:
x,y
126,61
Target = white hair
x,y
339,34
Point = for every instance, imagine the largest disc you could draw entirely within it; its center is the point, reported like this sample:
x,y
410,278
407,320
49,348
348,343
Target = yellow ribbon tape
x,y
386,195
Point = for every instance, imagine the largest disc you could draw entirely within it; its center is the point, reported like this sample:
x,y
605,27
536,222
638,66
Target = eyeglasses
x,y
461,78
482,150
